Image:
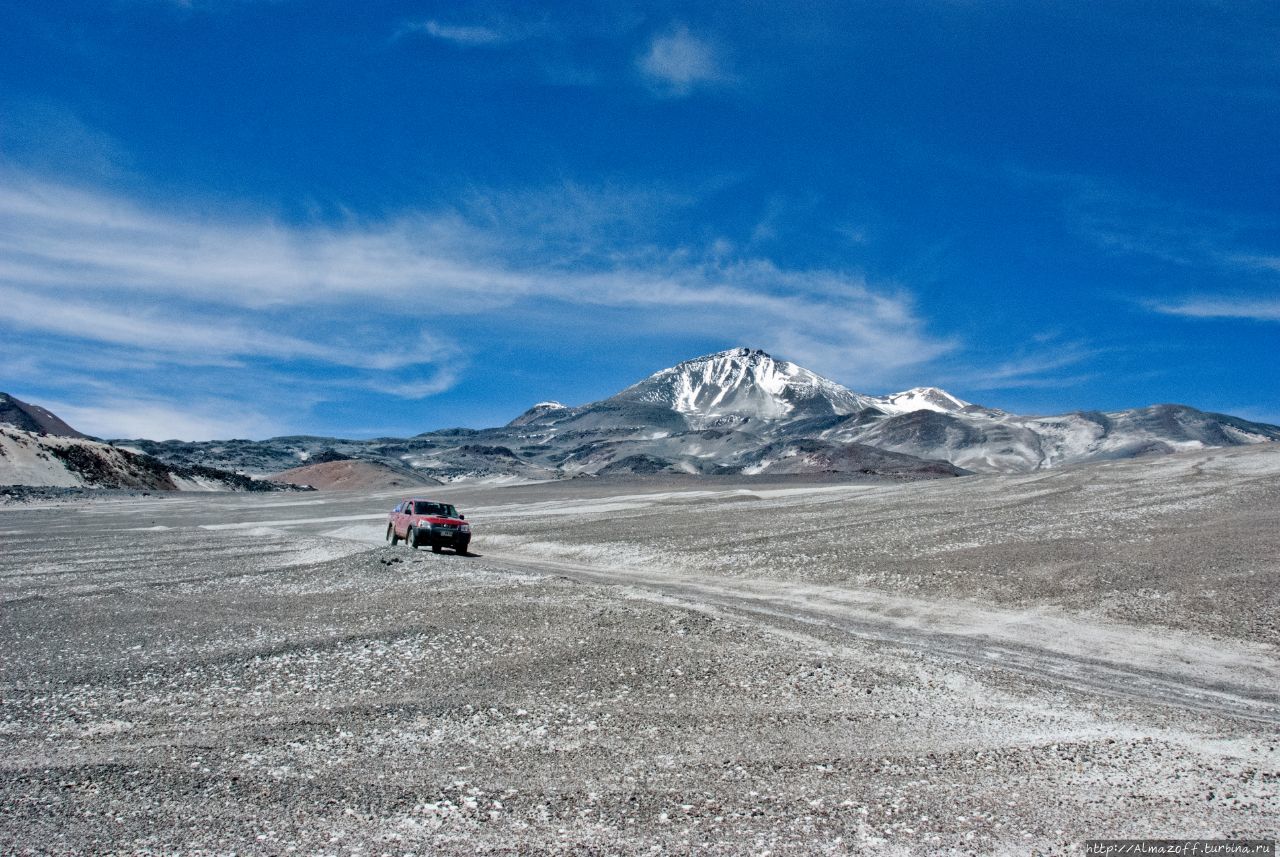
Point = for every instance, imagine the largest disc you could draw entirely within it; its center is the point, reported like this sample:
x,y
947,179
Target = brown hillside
x,y
33,418
351,475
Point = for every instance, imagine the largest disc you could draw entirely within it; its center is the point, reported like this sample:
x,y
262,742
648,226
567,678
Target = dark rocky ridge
x,y
33,418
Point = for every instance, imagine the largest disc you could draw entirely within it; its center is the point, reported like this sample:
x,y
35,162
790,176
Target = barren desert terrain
x,y
984,665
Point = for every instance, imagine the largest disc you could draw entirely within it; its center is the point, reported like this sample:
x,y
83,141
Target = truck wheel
x,y
391,534
390,529
435,548
412,538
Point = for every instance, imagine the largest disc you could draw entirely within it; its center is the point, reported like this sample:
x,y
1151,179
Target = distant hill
x,y
352,474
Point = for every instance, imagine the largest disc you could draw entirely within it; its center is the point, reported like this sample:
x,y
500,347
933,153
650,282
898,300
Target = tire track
x,y
1131,664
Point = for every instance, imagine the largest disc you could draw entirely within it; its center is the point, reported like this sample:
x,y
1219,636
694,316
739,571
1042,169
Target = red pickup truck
x,y
429,522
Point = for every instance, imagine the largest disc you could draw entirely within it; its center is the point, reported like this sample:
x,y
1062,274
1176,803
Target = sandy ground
x,y
990,665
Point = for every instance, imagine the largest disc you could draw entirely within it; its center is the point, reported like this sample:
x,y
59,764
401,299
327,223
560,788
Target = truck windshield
x,y
444,510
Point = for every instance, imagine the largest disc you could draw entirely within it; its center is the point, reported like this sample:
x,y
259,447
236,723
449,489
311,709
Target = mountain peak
x,y
743,382
739,353
922,399
537,412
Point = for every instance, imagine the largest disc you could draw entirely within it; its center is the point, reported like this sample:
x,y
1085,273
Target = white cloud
x,y
1046,360
831,322
163,420
1252,309
1256,261
58,236
678,62
464,35
414,387
102,268
141,287
1218,246
155,330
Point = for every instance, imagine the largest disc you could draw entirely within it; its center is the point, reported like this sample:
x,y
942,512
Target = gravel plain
x,y
986,665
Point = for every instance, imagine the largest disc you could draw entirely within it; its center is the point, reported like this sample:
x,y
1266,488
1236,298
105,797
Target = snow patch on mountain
x,y
922,399
743,382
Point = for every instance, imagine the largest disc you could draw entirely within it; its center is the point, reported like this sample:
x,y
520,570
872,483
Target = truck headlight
x,y
465,528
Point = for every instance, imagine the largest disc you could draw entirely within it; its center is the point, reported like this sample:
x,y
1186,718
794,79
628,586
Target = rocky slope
x,y
33,418
32,459
993,441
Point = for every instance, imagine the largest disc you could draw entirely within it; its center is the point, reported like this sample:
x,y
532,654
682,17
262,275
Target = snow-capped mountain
x,y
921,399
741,412
746,384
716,413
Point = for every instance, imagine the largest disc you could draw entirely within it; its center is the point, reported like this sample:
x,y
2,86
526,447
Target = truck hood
x,y
436,519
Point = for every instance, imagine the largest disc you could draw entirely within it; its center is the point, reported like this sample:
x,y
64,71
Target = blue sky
x,y
256,217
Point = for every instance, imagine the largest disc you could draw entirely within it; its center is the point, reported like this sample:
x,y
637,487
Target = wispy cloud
x,y
1256,261
1046,363
1251,309
1127,221
1229,254
463,35
140,417
57,236
82,268
677,62
163,331
673,63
